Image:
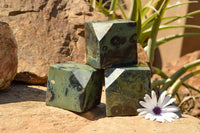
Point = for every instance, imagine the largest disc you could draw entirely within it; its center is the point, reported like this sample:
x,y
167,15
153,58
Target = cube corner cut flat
x,y
73,86
111,43
124,87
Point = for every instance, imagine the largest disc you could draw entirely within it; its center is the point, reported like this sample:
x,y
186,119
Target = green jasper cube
x,y
111,43
124,87
74,86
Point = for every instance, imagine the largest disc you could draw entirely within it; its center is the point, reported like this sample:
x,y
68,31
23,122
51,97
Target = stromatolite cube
x,y
74,86
124,88
111,43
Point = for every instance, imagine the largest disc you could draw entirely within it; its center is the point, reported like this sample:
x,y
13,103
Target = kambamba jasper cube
x,y
124,88
74,86
111,43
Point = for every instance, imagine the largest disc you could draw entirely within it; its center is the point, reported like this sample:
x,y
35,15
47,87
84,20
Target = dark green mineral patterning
x,y
111,43
124,88
74,86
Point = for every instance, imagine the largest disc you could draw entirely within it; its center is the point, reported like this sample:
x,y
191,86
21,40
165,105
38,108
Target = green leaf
x,y
179,73
175,17
179,4
162,27
172,37
133,10
122,11
148,3
164,76
178,97
148,20
100,2
179,17
143,37
103,10
154,3
144,12
139,6
146,33
153,8
176,84
160,73
156,83
139,21
106,2
152,39
148,6
113,5
191,87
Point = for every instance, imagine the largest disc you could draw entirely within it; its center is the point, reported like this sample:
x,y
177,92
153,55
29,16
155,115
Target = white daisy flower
x,y
158,109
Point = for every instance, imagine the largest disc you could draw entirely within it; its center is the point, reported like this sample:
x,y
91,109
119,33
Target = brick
x,y
73,86
124,88
111,43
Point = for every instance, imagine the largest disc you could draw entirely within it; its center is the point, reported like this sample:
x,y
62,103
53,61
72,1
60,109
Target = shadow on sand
x,y
22,92
19,92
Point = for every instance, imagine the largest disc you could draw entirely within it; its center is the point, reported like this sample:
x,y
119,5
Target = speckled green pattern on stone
x,y
124,88
74,86
111,43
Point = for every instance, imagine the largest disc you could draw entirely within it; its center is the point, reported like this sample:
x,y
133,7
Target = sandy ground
x,y
23,110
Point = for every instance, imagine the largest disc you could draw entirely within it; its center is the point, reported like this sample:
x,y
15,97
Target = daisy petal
x,y
166,99
168,119
144,104
160,118
171,115
169,102
152,118
142,113
148,115
147,98
161,98
170,109
142,109
154,98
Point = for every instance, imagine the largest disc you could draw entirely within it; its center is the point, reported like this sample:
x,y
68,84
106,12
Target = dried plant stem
x,y
187,99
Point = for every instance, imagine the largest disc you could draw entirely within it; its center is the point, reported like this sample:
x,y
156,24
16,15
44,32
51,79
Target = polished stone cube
x,y
111,43
74,86
124,88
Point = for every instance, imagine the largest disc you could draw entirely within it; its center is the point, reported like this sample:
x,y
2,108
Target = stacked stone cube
x,y
111,53
111,43
112,46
